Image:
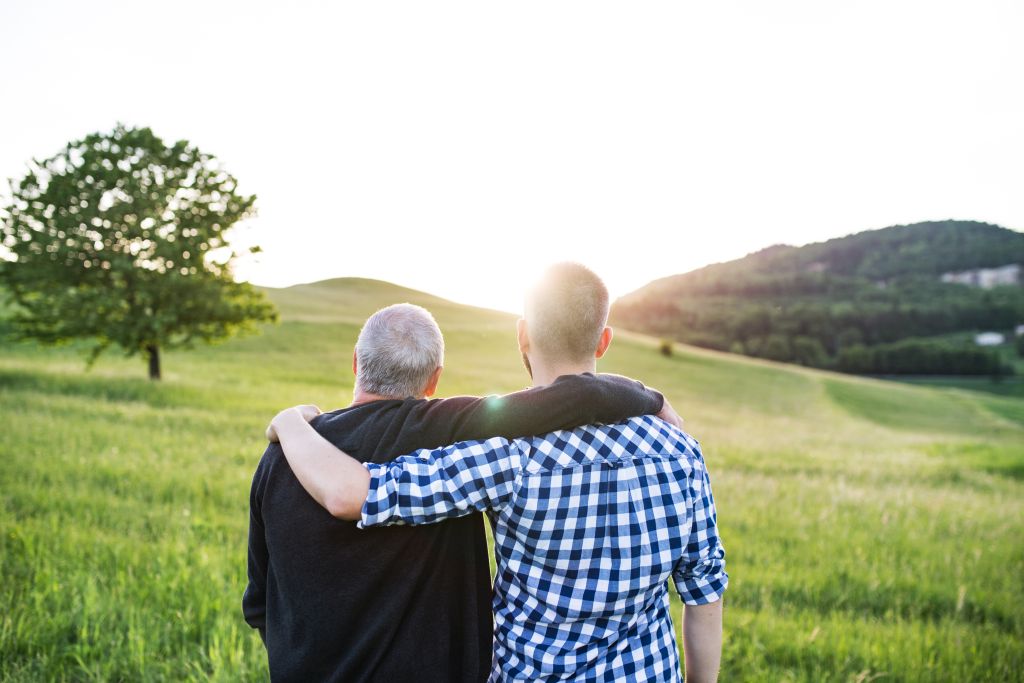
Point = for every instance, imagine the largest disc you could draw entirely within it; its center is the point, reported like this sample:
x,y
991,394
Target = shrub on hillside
x,y
776,347
809,351
921,357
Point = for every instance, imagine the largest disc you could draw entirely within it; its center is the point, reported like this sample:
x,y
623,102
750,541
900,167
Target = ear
x,y
355,369
432,382
604,342
523,335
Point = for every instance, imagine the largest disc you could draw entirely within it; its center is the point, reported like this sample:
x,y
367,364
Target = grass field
x,y
874,530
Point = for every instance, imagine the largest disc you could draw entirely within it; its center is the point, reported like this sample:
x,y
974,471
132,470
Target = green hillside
x,y
871,303
352,299
874,531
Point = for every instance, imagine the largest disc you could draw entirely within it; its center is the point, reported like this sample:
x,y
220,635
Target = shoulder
x,y
272,456
638,437
645,433
338,423
441,407
269,462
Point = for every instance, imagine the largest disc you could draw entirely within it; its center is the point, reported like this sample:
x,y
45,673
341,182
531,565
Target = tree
x,y
776,347
808,351
120,238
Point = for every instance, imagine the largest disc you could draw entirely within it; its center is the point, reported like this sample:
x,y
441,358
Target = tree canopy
x,y
120,238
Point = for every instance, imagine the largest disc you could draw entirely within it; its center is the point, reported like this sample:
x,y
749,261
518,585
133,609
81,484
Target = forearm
x,y
430,485
569,402
333,478
702,641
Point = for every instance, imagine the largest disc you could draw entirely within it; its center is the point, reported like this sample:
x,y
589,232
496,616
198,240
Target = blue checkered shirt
x,y
589,524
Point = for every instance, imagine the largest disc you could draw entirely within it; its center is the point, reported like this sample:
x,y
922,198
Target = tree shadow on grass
x,y
111,389
995,458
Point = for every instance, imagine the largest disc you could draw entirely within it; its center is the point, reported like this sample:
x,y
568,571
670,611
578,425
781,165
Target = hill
x,y
882,301
873,529
353,299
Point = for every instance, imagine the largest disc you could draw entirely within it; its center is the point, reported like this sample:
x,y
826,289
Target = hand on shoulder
x,y
304,412
668,414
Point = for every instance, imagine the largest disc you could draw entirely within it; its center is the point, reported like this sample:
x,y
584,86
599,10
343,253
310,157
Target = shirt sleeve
x,y
570,401
700,575
431,485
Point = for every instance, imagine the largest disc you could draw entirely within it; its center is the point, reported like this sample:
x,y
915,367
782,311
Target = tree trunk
x,y
153,351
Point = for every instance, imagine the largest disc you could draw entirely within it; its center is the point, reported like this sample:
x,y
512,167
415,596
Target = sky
x,y
460,147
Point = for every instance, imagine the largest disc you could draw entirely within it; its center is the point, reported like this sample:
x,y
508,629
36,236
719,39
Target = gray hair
x,y
398,349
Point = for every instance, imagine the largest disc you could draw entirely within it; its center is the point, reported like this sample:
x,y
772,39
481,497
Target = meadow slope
x,y
874,530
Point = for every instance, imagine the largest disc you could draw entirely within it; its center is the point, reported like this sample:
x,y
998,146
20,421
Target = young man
x,y
337,604
589,523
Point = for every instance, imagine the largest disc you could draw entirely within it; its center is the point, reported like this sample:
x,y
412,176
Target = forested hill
x,y
899,299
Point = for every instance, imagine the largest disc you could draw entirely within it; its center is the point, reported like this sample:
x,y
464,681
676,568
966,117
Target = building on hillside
x,y
986,278
989,339
1018,331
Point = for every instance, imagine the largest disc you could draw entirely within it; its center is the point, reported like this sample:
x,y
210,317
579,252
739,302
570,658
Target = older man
x,y
336,604
589,523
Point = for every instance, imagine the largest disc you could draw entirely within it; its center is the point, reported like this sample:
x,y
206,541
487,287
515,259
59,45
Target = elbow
x,y
344,499
342,506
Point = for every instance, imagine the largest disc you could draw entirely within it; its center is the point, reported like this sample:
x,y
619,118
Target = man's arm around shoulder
x,y
570,401
336,480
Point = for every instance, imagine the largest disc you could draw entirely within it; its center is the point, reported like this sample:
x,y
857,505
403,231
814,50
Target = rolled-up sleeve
x,y
430,485
700,575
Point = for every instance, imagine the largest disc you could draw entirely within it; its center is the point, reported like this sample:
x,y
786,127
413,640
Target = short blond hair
x,y
566,311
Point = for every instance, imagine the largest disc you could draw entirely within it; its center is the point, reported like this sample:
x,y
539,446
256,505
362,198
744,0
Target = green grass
x,y
875,531
1007,386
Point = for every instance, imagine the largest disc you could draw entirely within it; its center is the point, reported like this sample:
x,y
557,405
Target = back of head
x,y
398,350
566,311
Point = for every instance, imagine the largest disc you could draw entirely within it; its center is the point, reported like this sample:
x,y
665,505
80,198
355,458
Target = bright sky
x,y
458,147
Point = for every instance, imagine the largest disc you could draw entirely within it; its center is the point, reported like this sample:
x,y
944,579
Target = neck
x,y
359,397
545,372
